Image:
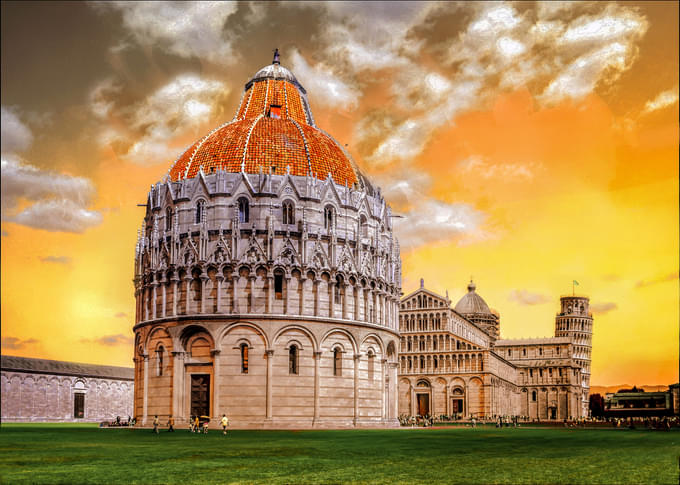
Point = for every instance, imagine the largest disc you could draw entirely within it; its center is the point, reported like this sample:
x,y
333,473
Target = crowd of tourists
x,y
197,424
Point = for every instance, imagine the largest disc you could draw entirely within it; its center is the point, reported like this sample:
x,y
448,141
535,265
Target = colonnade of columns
x,y
371,305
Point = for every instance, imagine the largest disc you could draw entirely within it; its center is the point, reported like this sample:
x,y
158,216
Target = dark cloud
x,y
656,281
13,343
525,297
56,259
603,307
110,340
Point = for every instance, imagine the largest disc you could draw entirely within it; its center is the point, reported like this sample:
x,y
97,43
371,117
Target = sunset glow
x,y
541,140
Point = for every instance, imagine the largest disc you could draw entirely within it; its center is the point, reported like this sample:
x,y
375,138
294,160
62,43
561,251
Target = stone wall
x,y
30,397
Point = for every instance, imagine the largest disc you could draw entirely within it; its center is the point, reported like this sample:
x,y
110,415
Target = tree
x,y
596,405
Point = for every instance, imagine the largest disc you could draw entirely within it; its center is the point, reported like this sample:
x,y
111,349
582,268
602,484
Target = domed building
x,y
474,309
267,277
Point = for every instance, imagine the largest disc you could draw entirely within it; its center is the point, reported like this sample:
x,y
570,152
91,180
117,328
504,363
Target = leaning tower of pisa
x,y
576,322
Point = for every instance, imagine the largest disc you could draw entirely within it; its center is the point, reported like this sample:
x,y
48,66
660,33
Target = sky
x,y
526,145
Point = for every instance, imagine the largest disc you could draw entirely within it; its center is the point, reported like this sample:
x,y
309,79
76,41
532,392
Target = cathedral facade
x,y
452,363
267,277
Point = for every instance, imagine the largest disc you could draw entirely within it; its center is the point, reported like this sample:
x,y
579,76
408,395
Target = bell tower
x,y
576,322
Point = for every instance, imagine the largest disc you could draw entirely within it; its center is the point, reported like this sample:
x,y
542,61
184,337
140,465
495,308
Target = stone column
x,y
218,303
270,293
175,290
413,400
204,281
301,306
235,292
178,385
145,301
187,300
216,382
317,301
251,295
164,297
145,402
270,364
154,285
344,301
357,292
331,299
383,383
357,361
286,296
317,389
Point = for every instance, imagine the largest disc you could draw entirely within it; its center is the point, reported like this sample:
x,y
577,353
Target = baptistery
x,y
267,277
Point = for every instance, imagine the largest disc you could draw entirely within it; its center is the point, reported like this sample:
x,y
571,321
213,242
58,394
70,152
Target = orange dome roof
x,y
273,130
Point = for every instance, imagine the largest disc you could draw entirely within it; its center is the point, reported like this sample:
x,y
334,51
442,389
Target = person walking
x,y
155,424
171,424
196,425
225,423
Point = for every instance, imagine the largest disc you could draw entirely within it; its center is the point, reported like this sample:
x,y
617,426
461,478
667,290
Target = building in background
x,y
638,403
452,363
267,276
50,390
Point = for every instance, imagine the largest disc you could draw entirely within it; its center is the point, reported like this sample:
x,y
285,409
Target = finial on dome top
x,y
472,286
276,57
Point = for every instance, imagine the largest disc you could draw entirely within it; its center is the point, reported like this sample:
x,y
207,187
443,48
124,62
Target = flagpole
x,y
573,292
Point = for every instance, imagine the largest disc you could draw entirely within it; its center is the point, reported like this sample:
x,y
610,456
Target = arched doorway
x,y
423,397
458,402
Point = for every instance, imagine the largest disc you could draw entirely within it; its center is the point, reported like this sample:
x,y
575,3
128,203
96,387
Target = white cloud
x,y
152,126
662,100
434,221
480,167
186,29
525,297
325,87
16,136
581,76
58,202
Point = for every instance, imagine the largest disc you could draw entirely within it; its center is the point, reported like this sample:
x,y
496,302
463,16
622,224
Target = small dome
x,y
472,303
276,72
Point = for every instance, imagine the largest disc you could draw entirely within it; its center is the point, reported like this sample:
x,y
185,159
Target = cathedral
x,y
452,362
267,276
268,288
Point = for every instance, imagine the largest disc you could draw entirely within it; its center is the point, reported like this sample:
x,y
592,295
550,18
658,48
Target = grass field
x,y
40,453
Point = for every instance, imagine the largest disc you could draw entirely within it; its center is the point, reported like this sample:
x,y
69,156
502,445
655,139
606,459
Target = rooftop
x,y
57,367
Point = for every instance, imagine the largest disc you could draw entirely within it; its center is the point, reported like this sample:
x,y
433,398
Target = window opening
x,y
200,211
244,358
278,286
243,209
293,360
337,362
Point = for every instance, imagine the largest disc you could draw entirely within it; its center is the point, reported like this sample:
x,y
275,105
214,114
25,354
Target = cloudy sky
x,y
526,145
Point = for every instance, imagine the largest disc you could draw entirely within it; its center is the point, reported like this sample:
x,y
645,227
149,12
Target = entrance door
x,y
553,413
456,406
78,405
200,395
423,404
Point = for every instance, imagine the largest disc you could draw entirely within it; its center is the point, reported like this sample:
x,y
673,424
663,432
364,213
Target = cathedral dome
x,y
273,131
472,303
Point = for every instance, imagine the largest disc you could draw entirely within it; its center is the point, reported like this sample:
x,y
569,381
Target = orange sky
x,y
539,142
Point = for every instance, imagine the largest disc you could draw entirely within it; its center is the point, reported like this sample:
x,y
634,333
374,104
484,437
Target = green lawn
x,y
39,453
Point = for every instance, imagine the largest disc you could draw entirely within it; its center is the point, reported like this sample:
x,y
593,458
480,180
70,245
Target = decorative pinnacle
x,y
276,57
